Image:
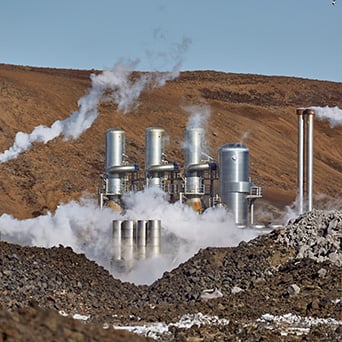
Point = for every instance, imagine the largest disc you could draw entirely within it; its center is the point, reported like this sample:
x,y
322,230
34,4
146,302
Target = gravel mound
x,y
316,235
270,275
57,278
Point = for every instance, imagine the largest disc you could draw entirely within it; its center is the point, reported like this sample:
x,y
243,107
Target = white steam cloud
x,y
244,137
199,116
87,229
333,114
116,85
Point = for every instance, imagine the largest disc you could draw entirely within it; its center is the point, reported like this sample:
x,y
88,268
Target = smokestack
x,y
117,168
309,171
195,167
155,164
305,159
300,169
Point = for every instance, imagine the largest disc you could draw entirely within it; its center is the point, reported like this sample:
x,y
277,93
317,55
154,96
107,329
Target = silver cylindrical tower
x,y
234,185
154,145
194,142
156,166
115,156
116,181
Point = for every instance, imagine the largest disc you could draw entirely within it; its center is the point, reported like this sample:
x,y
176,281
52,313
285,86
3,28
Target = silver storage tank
x,y
115,154
234,182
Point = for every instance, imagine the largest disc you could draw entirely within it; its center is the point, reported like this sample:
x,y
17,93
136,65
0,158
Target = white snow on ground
x,y
74,316
155,330
287,324
293,324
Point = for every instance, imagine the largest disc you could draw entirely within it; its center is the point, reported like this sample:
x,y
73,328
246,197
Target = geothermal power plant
x,y
202,182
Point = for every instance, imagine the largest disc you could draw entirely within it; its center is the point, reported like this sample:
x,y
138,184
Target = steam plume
x,y
116,85
199,116
333,114
87,229
244,137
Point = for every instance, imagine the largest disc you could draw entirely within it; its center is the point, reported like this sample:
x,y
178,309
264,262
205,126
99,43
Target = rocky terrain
x,y
282,286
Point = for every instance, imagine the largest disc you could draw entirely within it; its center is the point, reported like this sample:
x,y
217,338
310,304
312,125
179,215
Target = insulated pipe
x,y
309,168
200,167
122,169
163,168
300,167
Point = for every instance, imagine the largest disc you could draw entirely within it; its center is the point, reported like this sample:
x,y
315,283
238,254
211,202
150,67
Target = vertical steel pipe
x,y
153,237
127,238
300,166
116,239
251,213
309,167
115,154
141,239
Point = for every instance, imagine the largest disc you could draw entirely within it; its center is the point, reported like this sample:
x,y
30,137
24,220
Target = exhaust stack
x,y
116,180
156,166
305,159
195,166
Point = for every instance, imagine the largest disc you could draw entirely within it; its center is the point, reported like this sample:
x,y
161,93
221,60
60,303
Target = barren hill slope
x,y
259,110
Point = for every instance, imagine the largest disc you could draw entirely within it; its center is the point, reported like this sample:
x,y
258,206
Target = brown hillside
x,y
265,107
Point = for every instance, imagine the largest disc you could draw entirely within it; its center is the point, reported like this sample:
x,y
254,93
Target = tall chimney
x,y
309,167
300,168
305,159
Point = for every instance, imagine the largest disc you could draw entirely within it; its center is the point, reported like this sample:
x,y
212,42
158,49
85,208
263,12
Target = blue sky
x,y
300,38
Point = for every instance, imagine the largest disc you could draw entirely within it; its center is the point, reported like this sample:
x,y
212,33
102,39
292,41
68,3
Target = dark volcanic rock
x,y
264,276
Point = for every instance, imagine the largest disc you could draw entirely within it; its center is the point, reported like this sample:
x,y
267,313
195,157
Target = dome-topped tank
x,y
234,181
